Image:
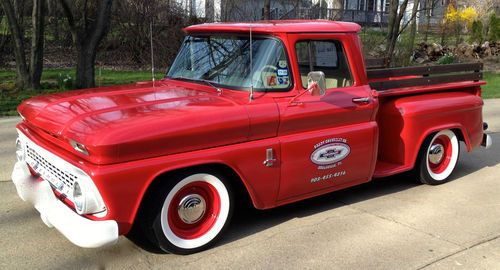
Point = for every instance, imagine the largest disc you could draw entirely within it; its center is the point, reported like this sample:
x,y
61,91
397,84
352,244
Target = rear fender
x,y
459,130
405,123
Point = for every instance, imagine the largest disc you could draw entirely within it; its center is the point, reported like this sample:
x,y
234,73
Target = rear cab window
x,y
323,55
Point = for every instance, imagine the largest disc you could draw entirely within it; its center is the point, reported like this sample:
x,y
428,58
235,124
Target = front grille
x,y
58,177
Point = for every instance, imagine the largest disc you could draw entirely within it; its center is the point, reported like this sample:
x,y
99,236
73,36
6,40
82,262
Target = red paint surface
x,y
135,133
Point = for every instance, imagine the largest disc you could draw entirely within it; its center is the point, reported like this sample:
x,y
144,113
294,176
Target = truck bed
x,y
416,91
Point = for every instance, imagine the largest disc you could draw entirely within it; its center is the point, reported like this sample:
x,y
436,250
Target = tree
x,y
266,11
476,32
89,23
338,10
494,28
396,13
53,14
413,31
4,37
483,8
209,10
429,7
27,76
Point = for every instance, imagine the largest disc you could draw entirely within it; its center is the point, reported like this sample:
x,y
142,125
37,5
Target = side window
x,y
323,55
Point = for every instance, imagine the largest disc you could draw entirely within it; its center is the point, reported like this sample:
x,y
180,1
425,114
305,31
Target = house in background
x,y
433,12
364,12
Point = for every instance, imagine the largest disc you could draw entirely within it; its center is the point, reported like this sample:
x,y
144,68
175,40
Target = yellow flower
x,y
468,15
465,15
452,14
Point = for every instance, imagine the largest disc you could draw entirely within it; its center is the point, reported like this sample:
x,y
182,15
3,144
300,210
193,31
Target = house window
x,y
430,9
361,5
370,4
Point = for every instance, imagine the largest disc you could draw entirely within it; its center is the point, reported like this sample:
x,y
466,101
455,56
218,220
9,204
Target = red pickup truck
x,y
275,111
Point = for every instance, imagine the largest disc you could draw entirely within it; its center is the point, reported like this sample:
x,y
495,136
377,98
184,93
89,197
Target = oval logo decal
x,y
330,153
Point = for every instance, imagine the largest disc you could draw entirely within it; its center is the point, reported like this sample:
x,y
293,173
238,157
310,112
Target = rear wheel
x,y
437,158
190,214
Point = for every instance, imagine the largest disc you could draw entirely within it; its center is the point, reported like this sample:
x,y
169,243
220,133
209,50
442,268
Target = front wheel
x,y
189,215
437,158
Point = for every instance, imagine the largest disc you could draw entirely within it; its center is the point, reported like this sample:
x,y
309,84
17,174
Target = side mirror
x,y
316,83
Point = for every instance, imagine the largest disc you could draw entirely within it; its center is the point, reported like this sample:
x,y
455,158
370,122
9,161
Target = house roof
x,y
281,26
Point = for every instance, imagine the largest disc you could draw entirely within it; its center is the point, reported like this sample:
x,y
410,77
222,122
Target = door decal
x,y
329,153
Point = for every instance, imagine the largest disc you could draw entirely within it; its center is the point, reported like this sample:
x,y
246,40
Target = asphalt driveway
x,y
391,223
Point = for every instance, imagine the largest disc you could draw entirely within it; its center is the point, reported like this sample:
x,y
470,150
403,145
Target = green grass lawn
x,y
51,76
52,82
492,88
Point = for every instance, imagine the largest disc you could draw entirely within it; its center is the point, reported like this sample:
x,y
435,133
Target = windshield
x,y
225,60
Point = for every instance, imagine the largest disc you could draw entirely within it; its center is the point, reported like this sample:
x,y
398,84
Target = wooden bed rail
x,y
423,75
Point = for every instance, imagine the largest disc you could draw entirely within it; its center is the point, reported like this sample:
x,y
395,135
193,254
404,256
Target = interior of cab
x,y
323,55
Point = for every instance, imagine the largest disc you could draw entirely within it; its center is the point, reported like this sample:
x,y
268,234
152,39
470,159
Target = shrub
x,y
459,19
477,32
64,81
468,15
448,58
494,28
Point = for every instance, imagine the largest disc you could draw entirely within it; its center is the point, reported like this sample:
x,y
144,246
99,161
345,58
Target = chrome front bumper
x,y
79,230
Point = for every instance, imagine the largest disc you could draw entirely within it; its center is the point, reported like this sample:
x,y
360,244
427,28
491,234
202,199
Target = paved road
x,y
392,223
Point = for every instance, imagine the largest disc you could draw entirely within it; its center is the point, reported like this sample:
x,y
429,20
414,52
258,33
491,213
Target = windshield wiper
x,y
179,78
211,84
197,80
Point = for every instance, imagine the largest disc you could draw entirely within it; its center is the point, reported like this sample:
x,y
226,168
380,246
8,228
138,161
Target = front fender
x,y
124,185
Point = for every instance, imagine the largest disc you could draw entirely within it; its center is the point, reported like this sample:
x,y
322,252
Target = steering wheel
x,y
259,76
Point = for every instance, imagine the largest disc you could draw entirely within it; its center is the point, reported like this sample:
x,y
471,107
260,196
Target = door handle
x,y
361,100
270,160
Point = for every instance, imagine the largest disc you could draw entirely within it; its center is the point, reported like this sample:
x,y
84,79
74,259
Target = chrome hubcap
x,y
436,153
191,208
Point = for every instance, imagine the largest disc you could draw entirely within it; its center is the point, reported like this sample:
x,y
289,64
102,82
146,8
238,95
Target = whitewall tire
x,y
190,213
438,157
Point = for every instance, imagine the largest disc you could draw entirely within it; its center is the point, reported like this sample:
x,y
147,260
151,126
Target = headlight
x,y
78,198
86,198
20,150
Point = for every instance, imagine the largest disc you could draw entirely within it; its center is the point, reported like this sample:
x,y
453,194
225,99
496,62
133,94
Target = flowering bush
x,y
459,19
461,16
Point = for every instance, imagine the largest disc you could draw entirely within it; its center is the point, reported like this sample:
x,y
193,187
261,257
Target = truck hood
x,y
138,121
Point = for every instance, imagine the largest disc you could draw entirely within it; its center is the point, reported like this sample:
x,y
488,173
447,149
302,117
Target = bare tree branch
x,y
87,33
18,40
27,76
68,7
37,42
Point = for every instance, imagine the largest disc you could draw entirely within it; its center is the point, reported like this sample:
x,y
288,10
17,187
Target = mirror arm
x,y
313,85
